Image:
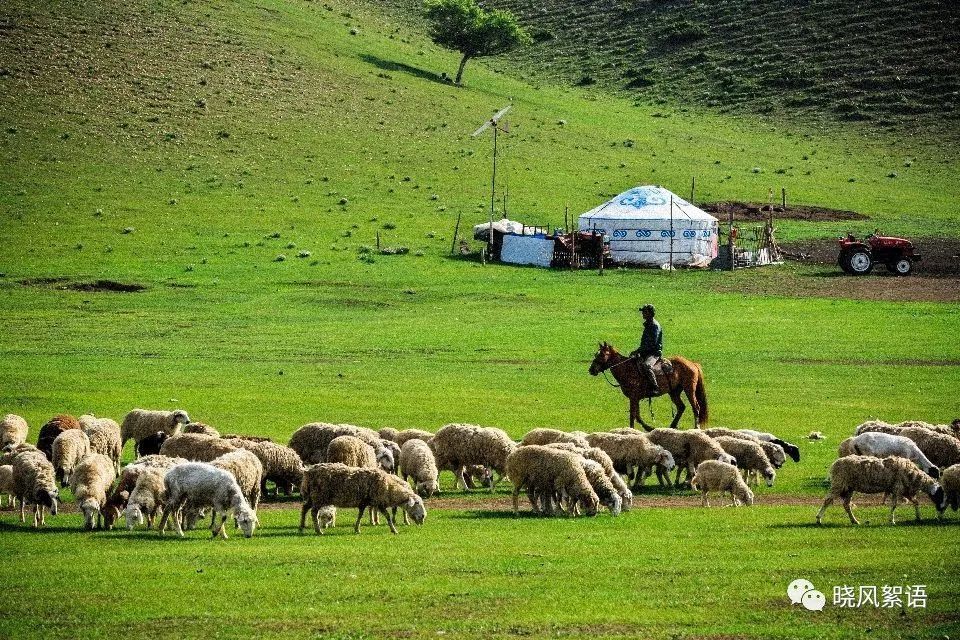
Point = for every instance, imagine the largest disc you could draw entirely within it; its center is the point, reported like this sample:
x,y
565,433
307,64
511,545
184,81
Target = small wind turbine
x,y
495,123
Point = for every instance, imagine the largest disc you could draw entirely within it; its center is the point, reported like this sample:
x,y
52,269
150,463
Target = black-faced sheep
x,y
150,446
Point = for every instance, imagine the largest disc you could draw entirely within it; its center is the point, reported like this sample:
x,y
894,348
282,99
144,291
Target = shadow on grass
x,y
390,65
846,524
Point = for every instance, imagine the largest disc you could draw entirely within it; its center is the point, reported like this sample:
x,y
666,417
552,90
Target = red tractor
x,y
858,257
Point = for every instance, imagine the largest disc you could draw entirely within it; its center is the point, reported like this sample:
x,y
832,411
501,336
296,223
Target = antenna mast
x,y
495,123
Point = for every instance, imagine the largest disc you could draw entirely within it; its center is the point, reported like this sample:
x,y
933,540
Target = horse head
x,y
602,360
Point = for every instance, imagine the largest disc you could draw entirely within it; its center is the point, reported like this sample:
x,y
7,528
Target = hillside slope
x,y
890,62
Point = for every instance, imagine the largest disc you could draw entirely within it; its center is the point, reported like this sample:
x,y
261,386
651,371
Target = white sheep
x,y
417,463
90,482
34,483
149,493
6,485
458,445
548,436
884,445
143,423
599,456
715,475
247,469
104,435
196,447
689,448
633,454
750,458
351,451
281,465
311,441
412,434
337,485
545,471
69,448
950,481
13,430
204,485
899,477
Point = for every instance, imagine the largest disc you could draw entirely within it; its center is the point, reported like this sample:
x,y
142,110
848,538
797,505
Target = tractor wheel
x,y
844,262
860,263
901,267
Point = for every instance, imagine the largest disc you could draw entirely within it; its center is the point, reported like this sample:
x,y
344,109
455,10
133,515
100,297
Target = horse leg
x,y
677,400
634,411
690,391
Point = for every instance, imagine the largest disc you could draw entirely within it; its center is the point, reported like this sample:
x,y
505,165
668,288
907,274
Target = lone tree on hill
x,y
464,26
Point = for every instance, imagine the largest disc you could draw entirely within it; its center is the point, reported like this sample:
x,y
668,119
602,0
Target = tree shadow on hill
x,y
390,65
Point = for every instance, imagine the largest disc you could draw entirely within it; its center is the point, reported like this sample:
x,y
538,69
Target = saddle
x,y
663,366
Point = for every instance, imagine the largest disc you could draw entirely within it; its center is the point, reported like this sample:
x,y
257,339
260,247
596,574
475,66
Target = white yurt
x,y
646,225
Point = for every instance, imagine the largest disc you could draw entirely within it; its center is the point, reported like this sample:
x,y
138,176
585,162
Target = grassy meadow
x,y
186,147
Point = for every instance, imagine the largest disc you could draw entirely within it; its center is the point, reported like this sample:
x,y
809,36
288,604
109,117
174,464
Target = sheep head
x,y
47,498
133,516
247,521
665,459
427,488
769,475
415,509
938,496
91,509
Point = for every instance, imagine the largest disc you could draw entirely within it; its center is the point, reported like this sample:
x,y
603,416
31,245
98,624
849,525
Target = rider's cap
x,y
648,307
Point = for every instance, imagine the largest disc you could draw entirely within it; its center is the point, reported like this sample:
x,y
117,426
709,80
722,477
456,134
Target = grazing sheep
x,y
311,441
599,456
142,423
941,449
394,450
104,435
90,483
689,449
548,436
68,449
884,445
458,445
34,483
792,450
351,451
49,432
200,427
750,457
150,446
388,433
896,476
148,494
952,429
13,430
203,485
775,452
545,471
602,486
474,474
715,475
950,481
417,462
6,485
247,469
196,447
337,485
412,434
281,465
634,455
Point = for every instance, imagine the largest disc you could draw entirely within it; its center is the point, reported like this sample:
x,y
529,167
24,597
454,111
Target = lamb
x,y
142,423
202,428
150,446
104,435
547,436
792,450
458,445
49,432
13,430
884,445
689,449
34,483
204,485
941,449
599,456
750,457
716,475
281,465
68,449
950,481
118,499
148,494
412,434
337,485
774,452
544,471
899,477
6,485
634,454
311,441
247,469
351,451
196,447
417,462
90,483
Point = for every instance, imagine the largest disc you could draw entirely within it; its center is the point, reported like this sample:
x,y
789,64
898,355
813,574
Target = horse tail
x,y
701,392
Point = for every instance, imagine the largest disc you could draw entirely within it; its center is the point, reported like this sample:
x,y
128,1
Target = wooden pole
x,y
693,188
456,231
671,235
378,242
783,198
573,252
566,224
493,188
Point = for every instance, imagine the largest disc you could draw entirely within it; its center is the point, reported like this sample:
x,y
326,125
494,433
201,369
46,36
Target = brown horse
x,y
686,377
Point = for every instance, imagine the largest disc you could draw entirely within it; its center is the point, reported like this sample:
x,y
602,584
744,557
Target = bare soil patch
x,y
751,211
96,286
941,256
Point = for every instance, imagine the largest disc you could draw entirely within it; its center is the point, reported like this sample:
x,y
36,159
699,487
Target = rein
x,y
604,371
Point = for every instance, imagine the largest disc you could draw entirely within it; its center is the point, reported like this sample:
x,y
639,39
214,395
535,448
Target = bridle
x,y
605,369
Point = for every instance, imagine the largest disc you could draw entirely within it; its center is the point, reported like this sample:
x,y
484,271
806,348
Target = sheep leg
x,y
222,529
916,506
390,523
894,503
846,505
356,525
826,503
516,501
177,517
459,480
303,515
705,502
23,511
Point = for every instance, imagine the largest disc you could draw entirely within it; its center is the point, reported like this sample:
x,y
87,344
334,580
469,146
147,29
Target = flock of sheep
x,y
184,468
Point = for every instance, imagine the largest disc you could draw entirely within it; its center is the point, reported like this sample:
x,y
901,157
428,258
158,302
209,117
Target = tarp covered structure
x,y
646,229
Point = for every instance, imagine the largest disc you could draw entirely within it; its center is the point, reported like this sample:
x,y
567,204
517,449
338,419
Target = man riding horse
x,y
651,347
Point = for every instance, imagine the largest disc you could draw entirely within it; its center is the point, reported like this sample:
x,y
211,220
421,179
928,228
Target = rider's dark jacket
x,y
651,342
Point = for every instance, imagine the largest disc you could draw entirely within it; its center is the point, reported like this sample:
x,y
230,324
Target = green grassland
x,y
186,146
